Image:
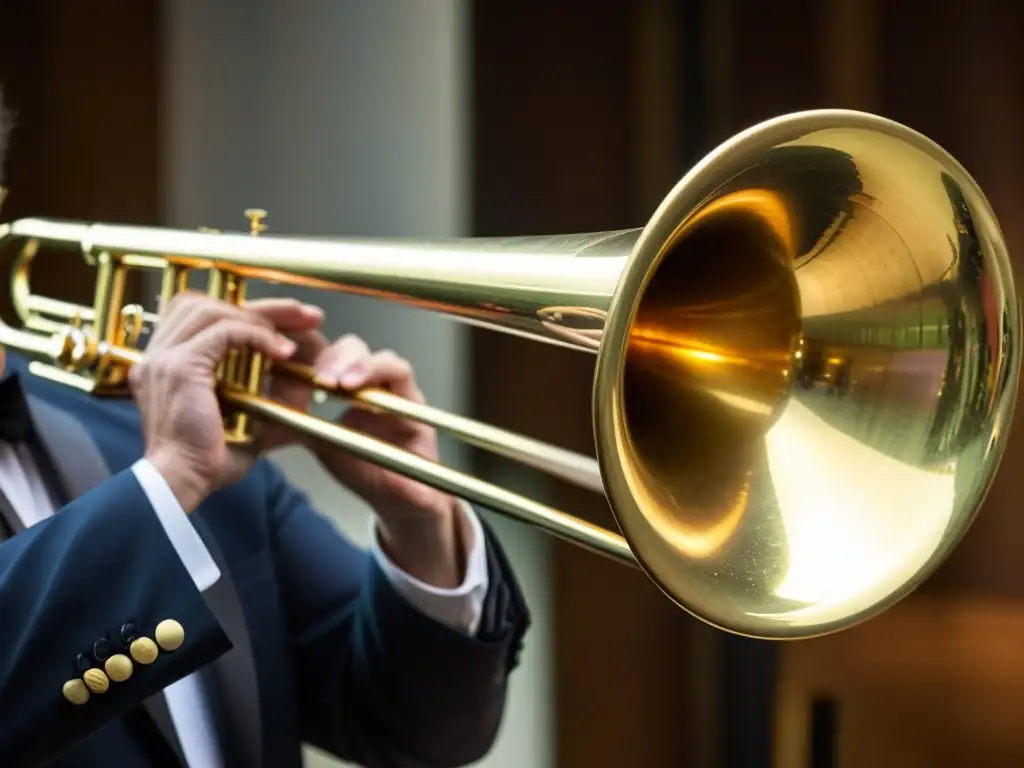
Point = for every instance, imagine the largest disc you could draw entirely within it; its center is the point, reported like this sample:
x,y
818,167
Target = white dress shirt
x,y
459,608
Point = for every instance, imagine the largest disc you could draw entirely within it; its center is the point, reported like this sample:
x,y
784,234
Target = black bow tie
x,y
15,420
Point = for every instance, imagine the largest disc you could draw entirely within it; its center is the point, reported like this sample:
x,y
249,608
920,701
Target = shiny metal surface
x,y
554,289
808,374
806,361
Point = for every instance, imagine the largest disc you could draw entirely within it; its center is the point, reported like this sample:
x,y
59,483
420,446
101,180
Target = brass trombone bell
x,y
806,362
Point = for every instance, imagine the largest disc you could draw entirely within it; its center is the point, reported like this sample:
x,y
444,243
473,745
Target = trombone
x,y
806,362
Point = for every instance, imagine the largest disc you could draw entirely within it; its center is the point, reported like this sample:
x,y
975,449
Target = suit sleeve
x,y
380,682
462,607
74,591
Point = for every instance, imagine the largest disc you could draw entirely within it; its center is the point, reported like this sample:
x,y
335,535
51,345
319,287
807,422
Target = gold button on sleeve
x,y
144,651
119,668
96,680
76,692
169,635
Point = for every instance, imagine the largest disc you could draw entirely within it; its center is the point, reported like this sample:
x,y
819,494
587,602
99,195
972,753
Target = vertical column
x,y
345,119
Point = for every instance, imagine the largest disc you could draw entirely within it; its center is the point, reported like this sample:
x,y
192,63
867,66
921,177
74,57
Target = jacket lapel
x,y
231,681
10,522
75,457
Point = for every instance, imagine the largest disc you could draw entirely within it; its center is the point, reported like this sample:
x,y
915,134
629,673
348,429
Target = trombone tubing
x,y
593,262
566,465
46,315
434,474
521,508
536,287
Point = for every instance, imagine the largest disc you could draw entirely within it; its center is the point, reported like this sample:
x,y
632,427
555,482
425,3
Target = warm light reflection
x,y
740,403
765,205
704,542
692,540
839,503
680,349
676,348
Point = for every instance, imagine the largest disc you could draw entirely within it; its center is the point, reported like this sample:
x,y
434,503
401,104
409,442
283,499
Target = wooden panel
x,y
84,87
775,62
934,682
559,108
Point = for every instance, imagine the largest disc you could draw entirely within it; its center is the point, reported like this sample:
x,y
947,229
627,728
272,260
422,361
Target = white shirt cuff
x,y
460,608
184,538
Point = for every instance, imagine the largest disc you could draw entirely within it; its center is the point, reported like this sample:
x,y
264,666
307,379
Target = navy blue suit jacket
x,y
302,640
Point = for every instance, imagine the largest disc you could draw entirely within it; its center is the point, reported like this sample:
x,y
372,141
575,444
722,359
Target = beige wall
x,y
346,118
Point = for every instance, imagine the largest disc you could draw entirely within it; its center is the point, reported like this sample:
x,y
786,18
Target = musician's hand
x,y
421,528
174,388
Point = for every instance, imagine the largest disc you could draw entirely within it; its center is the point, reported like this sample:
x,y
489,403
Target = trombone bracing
x,y
806,362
